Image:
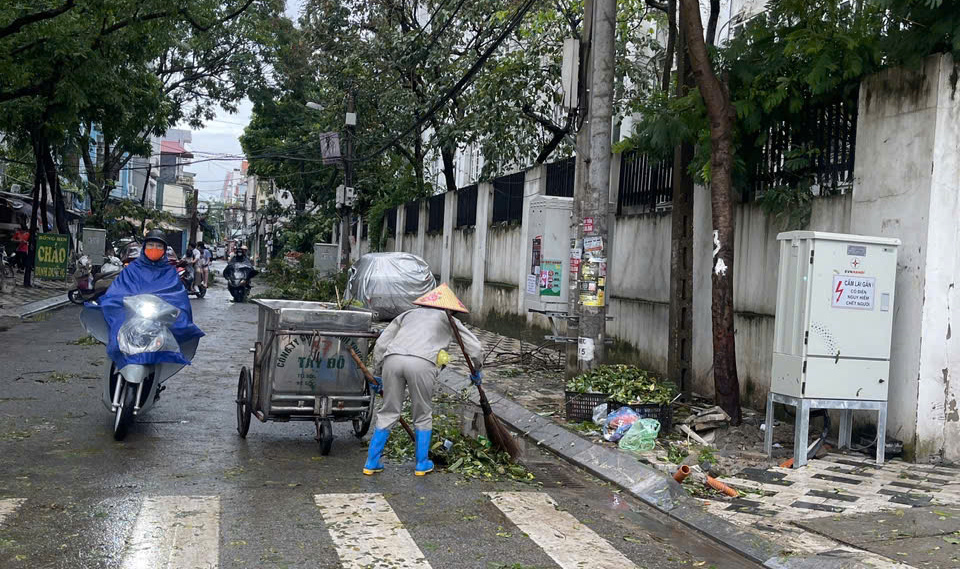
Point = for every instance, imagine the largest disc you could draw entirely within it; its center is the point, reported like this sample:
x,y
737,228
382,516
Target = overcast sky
x,y
221,136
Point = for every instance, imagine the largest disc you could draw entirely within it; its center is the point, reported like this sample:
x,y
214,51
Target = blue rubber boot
x,y
375,452
424,464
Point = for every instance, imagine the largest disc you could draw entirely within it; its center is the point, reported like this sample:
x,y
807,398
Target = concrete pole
x,y
580,183
421,228
449,218
594,203
401,214
479,272
346,210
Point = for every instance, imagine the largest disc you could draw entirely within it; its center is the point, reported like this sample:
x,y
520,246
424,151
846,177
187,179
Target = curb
x,y
38,306
647,484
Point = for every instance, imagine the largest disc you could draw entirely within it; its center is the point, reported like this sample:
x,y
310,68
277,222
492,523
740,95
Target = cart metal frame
x,y
302,369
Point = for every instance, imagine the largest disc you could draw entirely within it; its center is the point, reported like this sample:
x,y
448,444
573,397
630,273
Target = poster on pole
x,y
51,257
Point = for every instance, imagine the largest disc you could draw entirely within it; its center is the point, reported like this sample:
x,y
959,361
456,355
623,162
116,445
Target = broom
x,y
438,459
497,433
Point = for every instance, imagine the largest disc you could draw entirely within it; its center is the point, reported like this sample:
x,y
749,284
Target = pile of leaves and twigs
x,y
623,384
470,457
297,281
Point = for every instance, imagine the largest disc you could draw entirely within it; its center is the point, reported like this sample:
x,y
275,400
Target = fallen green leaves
x,y
623,384
470,457
84,341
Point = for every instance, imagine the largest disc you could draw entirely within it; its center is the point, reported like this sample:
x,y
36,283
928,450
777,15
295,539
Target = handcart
x,y
303,371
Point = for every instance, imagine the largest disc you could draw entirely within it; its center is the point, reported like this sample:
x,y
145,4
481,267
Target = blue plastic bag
x,y
618,423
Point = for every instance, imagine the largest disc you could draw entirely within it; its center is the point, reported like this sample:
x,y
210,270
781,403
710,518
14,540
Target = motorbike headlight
x,y
152,307
139,336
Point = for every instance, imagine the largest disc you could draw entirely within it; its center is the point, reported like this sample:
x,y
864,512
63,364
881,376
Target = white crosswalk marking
x,y
175,532
8,506
367,532
569,543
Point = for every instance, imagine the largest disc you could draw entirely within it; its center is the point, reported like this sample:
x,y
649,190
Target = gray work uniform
x,y
408,349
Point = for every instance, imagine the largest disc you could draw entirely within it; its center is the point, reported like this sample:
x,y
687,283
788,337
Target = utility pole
x,y
594,202
580,180
680,344
194,220
346,208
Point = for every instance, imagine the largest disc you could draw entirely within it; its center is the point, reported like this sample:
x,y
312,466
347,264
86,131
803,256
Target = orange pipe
x,y
721,487
682,473
787,463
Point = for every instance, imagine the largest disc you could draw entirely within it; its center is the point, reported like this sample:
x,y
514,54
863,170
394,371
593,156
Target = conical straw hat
x,y
441,297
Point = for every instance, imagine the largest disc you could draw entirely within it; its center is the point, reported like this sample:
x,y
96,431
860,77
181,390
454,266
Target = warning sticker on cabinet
x,y
858,293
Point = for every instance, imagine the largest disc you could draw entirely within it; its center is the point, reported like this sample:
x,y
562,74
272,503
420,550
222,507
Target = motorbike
x,y
132,390
92,284
187,279
238,275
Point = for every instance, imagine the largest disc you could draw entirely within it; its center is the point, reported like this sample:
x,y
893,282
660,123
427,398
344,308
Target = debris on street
x,y
462,453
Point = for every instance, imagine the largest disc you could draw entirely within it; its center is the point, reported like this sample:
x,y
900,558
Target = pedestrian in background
x,y
22,238
206,257
192,261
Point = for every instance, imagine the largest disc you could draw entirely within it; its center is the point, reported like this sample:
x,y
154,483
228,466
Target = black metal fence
x,y
560,177
645,184
435,205
391,216
411,217
818,148
508,198
467,206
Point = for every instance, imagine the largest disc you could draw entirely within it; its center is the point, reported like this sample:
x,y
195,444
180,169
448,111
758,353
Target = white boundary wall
x,y
907,185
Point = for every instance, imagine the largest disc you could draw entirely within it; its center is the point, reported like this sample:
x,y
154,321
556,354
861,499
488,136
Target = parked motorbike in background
x,y
133,389
187,279
239,275
91,284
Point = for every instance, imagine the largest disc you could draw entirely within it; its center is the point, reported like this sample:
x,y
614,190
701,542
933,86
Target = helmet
x,y
156,235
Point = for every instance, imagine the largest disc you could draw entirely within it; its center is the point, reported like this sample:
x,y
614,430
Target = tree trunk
x,y
32,247
53,182
448,153
712,22
671,45
720,115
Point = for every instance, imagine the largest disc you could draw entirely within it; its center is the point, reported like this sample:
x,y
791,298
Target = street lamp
x,y
350,120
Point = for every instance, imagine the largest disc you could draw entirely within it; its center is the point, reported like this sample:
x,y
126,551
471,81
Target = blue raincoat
x,y
144,276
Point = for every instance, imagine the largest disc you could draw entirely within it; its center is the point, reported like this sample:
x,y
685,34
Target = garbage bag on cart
x,y
388,283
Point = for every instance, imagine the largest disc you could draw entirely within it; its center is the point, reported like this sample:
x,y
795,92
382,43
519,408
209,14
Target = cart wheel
x,y
244,402
362,425
326,437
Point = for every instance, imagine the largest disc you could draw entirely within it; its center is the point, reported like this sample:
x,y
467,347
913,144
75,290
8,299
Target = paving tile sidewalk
x,y
796,509
13,303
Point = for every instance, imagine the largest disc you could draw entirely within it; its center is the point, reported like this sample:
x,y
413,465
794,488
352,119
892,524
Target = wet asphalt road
x,y
82,492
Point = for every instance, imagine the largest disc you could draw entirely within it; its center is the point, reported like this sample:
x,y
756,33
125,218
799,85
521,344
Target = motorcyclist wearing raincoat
x,y
150,273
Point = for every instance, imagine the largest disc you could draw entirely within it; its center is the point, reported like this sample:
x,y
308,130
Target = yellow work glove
x,y
443,358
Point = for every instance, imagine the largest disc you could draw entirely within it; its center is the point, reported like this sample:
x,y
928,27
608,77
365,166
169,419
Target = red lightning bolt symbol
x,y
839,290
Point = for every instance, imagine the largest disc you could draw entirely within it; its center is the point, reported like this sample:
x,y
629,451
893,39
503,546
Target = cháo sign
x,y
52,255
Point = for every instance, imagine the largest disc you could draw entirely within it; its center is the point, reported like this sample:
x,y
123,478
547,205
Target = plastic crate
x,y
662,413
580,405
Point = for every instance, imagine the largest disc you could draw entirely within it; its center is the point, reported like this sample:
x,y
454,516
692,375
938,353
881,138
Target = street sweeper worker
x,y
408,349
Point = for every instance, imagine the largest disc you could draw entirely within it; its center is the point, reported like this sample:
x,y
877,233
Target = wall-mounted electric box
x,y
548,254
835,301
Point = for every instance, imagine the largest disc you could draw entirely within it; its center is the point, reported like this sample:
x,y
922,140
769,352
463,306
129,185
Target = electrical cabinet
x,y
548,254
834,315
